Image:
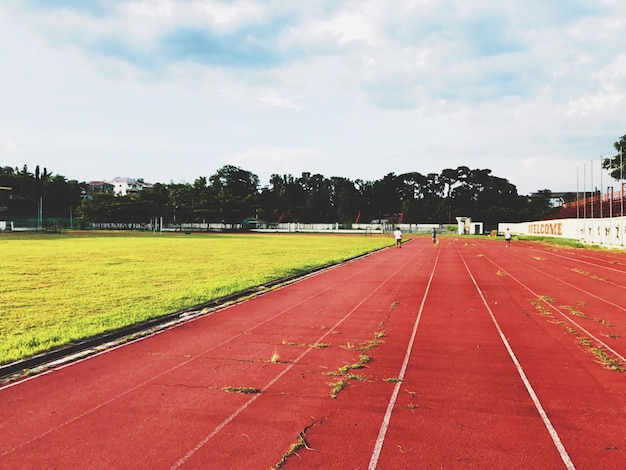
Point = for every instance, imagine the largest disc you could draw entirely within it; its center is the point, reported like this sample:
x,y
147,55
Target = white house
x,y
127,186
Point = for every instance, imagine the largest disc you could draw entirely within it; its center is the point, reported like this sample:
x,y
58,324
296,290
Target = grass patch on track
x,y
577,313
602,356
61,288
588,274
242,390
293,448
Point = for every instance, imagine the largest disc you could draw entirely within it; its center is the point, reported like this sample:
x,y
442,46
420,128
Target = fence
x,y
25,224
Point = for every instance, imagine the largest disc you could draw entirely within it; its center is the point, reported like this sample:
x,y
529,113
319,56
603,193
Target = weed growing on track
x,y
275,357
378,335
338,386
369,345
345,372
601,355
589,275
294,448
243,390
393,380
58,289
540,308
603,358
574,311
607,361
307,345
411,406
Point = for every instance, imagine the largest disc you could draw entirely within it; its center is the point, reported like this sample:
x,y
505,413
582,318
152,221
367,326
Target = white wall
x,y
609,232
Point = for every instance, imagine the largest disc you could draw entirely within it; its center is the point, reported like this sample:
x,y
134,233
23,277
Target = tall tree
x,y
235,191
616,164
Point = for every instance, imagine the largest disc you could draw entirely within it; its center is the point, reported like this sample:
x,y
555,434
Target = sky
x,y
172,90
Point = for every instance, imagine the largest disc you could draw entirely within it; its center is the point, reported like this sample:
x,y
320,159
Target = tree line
x,y
233,194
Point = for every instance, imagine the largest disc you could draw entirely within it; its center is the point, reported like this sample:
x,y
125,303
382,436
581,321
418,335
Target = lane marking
x,y
581,289
243,407
596,262
546,421
558,311
380,440
163,373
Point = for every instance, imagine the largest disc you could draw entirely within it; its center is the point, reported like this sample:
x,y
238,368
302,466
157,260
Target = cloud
x,y
265,161
376,89
274,99
96,8
247,49
9,146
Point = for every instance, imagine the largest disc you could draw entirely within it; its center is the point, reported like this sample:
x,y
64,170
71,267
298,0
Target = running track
x,y
473,355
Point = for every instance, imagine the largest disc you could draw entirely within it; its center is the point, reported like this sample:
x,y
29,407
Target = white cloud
x,y
591,103
9,146
266,161
274,99
417,87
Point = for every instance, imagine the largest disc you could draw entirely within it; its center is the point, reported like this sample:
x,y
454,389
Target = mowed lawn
x,y
56,289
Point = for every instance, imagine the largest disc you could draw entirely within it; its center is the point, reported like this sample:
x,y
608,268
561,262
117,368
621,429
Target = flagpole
x,y
585,192
578,203
593,196
621,189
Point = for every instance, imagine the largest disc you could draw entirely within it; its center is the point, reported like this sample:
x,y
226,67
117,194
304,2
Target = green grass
x,y
568,242
57,289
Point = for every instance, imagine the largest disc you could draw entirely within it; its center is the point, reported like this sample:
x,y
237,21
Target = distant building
x,y
117,186
94,187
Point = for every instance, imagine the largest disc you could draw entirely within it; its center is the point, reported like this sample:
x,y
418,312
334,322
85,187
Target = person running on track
x,y
434,236
398,235
507,237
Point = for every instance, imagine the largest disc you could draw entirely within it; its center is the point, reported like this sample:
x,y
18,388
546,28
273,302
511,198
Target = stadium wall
x,y
608,232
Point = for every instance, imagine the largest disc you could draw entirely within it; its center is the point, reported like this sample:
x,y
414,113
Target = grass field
x,y
61,288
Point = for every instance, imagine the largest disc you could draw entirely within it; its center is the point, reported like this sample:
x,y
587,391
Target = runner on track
x,y
398,235
434,236
507,237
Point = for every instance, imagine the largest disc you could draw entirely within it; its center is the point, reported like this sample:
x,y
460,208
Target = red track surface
x,y
480,357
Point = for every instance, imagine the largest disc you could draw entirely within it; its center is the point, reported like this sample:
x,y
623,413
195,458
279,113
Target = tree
x,y
617,163
386,197
235,193
345,199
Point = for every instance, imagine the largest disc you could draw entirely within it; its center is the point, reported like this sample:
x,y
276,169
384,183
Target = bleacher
x,y
596,206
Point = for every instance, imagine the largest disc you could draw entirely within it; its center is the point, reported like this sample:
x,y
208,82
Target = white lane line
x,y
243,407
546,421
162,373
563,315
581,289
392,401
579,260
